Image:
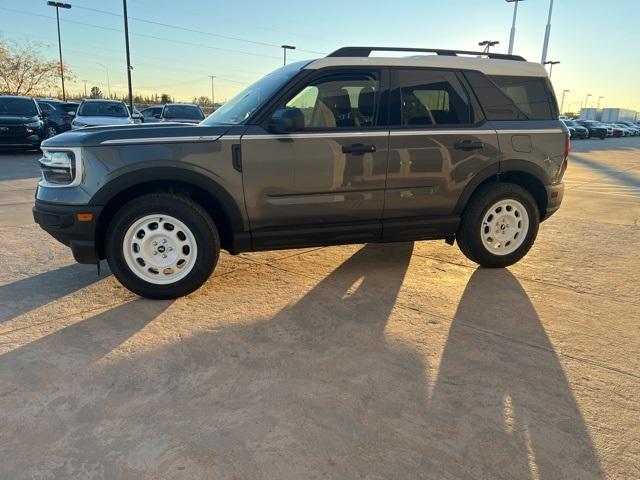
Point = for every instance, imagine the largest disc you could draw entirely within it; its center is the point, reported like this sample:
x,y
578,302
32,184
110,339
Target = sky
x,y
176,45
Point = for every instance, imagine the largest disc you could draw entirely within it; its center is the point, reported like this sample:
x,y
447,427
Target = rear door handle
x,y
358,149
469,145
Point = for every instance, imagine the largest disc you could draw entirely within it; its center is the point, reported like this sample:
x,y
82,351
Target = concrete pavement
x,y
375,362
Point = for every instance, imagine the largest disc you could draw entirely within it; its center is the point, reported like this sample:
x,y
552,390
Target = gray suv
x,y
344,149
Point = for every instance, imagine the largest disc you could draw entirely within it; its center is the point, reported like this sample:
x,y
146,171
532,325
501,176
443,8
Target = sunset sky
x,y
176,45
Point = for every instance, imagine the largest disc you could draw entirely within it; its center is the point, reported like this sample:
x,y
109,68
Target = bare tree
x,y
24,72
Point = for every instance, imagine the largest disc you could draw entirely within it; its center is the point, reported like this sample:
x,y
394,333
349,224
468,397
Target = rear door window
x,y
430,98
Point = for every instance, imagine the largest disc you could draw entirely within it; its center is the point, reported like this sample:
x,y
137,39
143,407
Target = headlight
x,y
61,167
35,124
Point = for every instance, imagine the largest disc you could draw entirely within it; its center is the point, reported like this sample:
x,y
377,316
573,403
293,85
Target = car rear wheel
x,y
51,131
499,225
162,246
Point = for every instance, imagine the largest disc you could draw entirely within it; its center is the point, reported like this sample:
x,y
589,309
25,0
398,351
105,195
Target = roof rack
x,y
366,51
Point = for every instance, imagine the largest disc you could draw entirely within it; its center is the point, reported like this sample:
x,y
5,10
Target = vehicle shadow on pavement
x,y
27,294
326,388
501,394
621,176
77,346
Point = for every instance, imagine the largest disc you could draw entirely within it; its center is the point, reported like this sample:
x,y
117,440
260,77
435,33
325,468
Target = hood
x,y
103,120
133,134
17,120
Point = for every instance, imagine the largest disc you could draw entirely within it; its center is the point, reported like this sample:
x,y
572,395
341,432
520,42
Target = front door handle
x,y
468,145
358,149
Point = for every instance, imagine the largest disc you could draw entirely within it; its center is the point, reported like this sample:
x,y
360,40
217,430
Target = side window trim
x,y
395,102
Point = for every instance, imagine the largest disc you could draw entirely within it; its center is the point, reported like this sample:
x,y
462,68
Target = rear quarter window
x,y
506,97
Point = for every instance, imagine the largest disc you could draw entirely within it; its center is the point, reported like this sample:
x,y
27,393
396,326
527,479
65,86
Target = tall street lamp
x,y
551,63
513,24
58,6
564,92
599,98
586,100
108,81
487,44
129,67
213,101
285,48
547,32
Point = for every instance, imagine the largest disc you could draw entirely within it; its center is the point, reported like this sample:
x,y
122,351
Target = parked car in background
x,y
151,114
94,112
596,129
616,132
626,131
181,113
22,124
635,129
575,129
58,115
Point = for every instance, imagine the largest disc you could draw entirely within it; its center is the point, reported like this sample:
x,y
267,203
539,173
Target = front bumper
x,y
61,222
31,142
555,193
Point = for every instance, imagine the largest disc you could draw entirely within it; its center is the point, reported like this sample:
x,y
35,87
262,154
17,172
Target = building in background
x,y
610,115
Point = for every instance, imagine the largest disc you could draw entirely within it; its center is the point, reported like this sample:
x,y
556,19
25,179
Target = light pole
x,y
586,100
285,48
487,44
213,101
85,88
513,24
551,63
126,41
58,6
547,32
564,92
599,98
108,81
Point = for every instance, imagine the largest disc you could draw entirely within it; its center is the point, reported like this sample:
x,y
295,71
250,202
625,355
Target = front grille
x,y
12,131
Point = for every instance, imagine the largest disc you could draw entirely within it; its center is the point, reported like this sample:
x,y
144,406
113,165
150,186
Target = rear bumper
x,y
61,223
555,193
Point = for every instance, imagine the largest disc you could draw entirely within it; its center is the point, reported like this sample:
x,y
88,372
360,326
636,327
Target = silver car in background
x,y
96,112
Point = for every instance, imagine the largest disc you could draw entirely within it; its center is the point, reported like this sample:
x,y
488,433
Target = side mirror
x,y
44,114
157,115
285,120
72,113
136,116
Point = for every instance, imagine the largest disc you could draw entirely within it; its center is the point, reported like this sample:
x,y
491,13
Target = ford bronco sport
x,y
351,148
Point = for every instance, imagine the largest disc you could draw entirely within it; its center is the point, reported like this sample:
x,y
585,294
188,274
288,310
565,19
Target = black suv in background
x,y
58,115
22,124
596,129
575,129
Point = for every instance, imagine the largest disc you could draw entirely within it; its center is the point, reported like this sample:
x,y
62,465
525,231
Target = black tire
x,y
602,137
469,238
181,208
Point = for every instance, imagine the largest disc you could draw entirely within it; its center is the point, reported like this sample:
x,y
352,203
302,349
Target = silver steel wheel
x,y
504,227
51,132
160,249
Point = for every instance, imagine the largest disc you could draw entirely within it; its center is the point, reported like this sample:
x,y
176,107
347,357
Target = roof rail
x,y
366,51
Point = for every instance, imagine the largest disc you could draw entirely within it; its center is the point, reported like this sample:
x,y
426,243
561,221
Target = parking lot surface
x,y
394,361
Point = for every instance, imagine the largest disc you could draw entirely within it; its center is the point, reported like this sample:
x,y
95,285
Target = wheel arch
x,y
526,174
200,187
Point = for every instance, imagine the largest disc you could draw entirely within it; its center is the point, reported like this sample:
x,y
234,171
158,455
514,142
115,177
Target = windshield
x,y
23,107
183,111
239,108
103,109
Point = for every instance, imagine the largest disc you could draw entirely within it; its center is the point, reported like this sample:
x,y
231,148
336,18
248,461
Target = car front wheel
x,y
162,245
499,225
